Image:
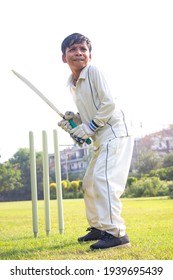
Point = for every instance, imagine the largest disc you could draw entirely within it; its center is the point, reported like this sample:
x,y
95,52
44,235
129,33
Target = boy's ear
x,y
64,58
90,56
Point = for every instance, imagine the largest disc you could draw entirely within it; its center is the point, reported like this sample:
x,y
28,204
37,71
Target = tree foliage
x,y
15,182
153,176
20,161
10,178
168,160
147,161
147,187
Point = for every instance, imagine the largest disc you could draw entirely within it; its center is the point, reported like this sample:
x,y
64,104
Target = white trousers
x,y
104,183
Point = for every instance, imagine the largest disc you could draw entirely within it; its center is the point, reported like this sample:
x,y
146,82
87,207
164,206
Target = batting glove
x,y
82,131
77,140
64,124
75,117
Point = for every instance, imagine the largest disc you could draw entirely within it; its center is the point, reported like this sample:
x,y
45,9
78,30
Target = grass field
x,y
149,225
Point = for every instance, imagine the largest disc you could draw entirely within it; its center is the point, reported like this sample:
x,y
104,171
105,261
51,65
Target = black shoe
x,y
94,234
108,241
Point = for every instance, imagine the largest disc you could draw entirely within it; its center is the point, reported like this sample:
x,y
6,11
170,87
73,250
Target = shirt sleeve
x,y
102,97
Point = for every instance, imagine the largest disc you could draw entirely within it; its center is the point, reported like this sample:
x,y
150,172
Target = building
x,y
73,159
160,142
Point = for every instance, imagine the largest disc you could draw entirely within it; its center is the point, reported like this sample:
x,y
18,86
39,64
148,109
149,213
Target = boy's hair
x,y
75,38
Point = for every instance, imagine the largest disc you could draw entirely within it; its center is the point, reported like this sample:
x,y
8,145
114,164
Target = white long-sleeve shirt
x,y
94,101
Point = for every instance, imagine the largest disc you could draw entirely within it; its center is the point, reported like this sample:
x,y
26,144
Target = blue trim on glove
x,y
93,126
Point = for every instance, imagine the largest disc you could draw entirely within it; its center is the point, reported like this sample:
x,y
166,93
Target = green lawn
x,y
149,225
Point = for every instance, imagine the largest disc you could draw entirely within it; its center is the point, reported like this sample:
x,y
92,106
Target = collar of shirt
x,y
82,75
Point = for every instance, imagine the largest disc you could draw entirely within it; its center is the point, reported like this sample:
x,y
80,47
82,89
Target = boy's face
x,y
77,56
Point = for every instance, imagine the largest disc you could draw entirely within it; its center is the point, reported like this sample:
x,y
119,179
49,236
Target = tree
x,y
147,161
146,187
163,173
168,160
10,178
171,190
39,170
20,161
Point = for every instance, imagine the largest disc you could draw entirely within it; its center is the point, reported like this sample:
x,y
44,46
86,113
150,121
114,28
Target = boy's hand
x,y
82,131
75,117
77,140
64,123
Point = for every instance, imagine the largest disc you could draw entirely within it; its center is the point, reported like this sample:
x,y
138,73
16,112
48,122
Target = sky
x,y
132,43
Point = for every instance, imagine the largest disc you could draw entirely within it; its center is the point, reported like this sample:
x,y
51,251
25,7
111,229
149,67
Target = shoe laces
x,y
106,236
90,229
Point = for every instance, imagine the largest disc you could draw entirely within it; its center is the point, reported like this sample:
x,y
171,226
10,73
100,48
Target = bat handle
x,y
73,125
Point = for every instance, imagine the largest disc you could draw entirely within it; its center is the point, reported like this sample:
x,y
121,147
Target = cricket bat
x,y
45,99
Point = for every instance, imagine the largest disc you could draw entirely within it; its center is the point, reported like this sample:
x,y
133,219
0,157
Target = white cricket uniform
x,y
106,175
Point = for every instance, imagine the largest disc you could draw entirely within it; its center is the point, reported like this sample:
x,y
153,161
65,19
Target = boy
x,y
100,120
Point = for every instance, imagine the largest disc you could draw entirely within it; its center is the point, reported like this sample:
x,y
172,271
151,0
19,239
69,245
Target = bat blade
x,y
41,95
45,99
